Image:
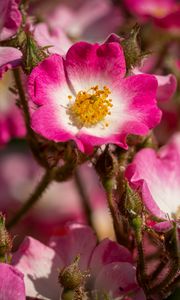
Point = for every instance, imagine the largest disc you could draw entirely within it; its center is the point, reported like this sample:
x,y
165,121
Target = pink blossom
x,y
164,13
82,19
10,18
58,85
11,120
11,283
157,178
109,264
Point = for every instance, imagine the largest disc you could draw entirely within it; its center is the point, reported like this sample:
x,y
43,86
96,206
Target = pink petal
x,y
11,283
51,125
52,37
77,240
9,58
10,18
91,63
157,178
141,92
39,264
166,86
45,78
107,252
118,279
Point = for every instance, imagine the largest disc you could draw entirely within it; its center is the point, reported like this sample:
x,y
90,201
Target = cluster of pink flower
x,y
96,99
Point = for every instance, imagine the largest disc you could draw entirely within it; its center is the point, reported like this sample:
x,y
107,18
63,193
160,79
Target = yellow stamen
x,y
90,107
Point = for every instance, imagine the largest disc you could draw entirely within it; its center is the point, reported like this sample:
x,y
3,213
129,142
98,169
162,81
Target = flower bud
x,y
71,277
131,204
106,165
32,53
5,241
131,48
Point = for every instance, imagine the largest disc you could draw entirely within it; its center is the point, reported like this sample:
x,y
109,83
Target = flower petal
x,y
55,38
107,252
77,240
118,279
10,18
39,264
9,58
158,179
89,65
48,77
166,86
11,283
141,90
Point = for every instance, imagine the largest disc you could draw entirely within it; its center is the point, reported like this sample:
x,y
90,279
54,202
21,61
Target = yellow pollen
x,y
90,107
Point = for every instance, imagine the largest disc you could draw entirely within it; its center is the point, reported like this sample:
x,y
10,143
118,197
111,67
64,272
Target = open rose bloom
x,y
87,98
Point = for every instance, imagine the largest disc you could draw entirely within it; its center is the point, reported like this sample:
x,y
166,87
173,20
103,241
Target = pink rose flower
x,y
109,264
11,283
11,120
156,176
164,13
87,98
10,18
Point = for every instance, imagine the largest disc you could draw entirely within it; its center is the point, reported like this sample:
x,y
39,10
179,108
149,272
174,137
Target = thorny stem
x,y
173,245
33,198
84,198
115,215
23,100
158,270
173,283
141,267
168,279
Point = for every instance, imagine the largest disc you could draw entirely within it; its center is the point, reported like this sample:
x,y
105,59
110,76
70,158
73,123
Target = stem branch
x,y
23,100
84,198
33,198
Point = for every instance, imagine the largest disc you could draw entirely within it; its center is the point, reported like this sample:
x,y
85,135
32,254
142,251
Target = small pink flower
x,y
157,178
11,283
109,264
10,18
164,13
11,120
87,98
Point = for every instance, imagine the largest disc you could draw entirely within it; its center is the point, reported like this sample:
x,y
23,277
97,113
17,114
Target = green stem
x,y
84,198
34,197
